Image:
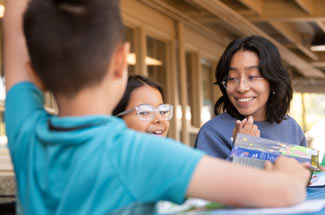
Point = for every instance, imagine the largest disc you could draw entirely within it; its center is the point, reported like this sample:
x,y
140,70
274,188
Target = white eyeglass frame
x,y
155,110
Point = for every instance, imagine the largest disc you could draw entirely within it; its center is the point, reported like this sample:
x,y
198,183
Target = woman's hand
x,y
246,126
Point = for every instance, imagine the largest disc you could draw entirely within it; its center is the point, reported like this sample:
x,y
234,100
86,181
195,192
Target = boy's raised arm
x,y
221,181
15,51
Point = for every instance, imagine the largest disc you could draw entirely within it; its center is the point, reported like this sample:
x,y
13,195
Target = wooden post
x,y
183,83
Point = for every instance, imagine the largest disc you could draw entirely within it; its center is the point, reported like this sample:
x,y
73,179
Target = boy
x,y
86,161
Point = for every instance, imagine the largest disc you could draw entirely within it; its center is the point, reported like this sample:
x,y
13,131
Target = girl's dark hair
x,y
134,82
271,68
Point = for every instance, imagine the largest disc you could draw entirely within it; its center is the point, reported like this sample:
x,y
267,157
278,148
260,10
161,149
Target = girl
x,y
142,107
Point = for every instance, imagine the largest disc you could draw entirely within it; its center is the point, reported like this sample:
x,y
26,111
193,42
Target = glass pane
x,y
207,83
156,62
130,37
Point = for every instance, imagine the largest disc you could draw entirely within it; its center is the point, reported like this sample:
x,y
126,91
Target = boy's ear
x,y
120,60
33,77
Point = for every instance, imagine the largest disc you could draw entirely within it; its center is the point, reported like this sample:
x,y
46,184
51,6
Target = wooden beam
x,y
321,25
182,17
291,34
172,89
288,31
321,56
319,64
307,5
197,89
141,50
283,11
255,5
277,12
307,52
241,24
185,137
309,85
203,17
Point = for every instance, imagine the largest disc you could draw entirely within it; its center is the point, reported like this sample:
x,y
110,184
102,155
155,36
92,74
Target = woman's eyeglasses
x,y
147,112
232,83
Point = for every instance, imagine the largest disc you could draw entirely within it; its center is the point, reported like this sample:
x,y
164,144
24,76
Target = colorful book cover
x,y
257,148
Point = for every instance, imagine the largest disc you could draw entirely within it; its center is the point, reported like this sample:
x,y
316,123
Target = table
x,y
316,193
312,193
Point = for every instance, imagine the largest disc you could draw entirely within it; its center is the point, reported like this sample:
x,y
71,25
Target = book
x,y
254,151
317,179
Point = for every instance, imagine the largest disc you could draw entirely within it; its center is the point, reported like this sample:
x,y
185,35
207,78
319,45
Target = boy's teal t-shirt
x,y
89,164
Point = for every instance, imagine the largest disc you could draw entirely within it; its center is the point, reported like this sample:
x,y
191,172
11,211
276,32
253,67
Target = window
x,y
156,62
208,79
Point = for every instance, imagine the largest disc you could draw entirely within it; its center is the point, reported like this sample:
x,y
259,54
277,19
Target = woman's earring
x,y
273,93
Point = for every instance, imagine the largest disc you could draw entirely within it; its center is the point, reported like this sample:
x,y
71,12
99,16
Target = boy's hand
x,y
290,167
246,126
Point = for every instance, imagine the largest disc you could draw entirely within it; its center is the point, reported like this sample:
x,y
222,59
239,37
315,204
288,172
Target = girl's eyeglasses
x,y
147,112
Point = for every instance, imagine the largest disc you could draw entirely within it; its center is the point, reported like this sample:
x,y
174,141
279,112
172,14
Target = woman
x,y
256,94
142,107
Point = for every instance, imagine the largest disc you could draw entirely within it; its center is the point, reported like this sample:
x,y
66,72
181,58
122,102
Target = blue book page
x,y
254,154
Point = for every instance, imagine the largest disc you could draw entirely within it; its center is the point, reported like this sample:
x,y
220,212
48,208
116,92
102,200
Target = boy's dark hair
x,y
270,67
134,82
70,42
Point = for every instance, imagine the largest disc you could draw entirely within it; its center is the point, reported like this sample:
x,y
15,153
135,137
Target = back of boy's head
x,y
71,42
